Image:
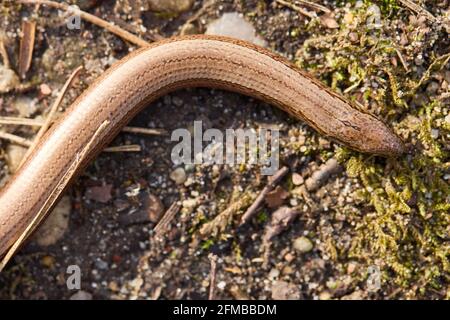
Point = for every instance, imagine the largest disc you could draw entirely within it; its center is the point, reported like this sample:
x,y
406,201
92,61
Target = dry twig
x,y
51,200
16,139
51,113
38,123
92,19
273,181
124,148
166,219
418,9
296,8
212,283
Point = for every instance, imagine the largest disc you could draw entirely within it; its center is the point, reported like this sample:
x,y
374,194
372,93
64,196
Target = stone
x,y
303,244
178,176
170,6
8,79
14,156
232,24
56,224
282,290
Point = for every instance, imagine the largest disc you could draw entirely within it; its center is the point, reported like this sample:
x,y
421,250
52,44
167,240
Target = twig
x,y
418,9
443,96
319,177
296,8
57,190
16,139
92,19
39,123
166,219
21,121
51,114
147,131
199,12
273,181
445,58
124,148
315,6
4,53
402,60
280,221
27,143
212,283
221,221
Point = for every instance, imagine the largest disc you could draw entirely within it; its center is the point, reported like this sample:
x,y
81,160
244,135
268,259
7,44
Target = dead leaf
x,y
275,198
26,47
99,193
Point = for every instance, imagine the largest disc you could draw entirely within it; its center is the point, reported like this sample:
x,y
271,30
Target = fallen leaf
x,y
99,193
276,197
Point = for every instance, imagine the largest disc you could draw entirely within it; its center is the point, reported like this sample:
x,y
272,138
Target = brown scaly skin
x,y
148,73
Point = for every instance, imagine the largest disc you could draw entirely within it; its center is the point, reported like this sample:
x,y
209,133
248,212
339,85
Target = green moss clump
x,y
406,224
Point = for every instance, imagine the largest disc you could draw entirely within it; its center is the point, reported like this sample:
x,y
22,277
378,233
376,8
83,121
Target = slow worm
x,y
148,73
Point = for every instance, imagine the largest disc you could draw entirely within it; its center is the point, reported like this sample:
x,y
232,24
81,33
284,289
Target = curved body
x,y
151,72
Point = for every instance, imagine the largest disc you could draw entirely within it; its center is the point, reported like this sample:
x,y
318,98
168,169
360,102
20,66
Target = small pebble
x,y
234,25
178,176
303,244
297,179
81,295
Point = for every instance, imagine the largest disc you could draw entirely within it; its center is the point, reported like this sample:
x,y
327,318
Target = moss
x,y
407,223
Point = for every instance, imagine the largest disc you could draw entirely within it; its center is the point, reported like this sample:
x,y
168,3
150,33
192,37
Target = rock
x,y
273,274
48,261
325,295
303,244
56,224
447,119
99,193
45,89
100,264
351,267
356,295
170,6
232,24
282,290
154,207
297,179
189,204
178,102
432,87
178,176
8,79
14,156
25,106
81,295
